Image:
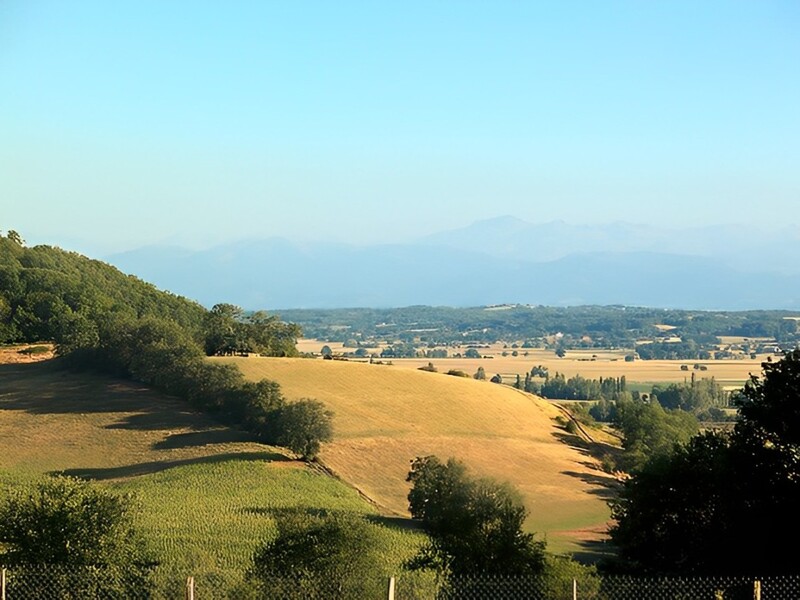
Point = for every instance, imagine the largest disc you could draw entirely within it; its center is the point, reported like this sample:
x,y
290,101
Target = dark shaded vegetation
x,y
720,503
230,331
66,522
475,534
475,525
331,555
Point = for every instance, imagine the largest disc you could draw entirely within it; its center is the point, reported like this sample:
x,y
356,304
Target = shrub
x,y
457,373
317,556
67,524
301,426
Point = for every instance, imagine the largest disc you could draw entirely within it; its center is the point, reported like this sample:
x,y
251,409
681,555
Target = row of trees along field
x,y
102,319
703,397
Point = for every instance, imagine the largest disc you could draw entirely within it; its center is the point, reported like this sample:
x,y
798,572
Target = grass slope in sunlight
x,y
205,492
385,416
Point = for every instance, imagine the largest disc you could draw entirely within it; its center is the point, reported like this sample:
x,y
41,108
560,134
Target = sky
x,y
130,123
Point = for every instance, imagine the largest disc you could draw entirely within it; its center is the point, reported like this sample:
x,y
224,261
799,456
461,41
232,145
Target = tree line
x,y
426,327
721,502
101,319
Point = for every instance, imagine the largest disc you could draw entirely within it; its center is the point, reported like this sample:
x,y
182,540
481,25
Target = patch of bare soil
x,y
26,353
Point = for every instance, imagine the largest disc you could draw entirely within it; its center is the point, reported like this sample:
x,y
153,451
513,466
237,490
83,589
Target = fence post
x,y
391,588
757,590
574,589
190,588
3,584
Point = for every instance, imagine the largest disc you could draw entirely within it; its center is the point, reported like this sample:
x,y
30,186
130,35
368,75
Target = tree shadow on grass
x,y
46,388
394,522
604,486
597,450
148,468
401,523
191,439
595,552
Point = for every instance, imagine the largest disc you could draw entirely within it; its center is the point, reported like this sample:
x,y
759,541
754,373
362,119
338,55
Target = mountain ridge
x,y
489,262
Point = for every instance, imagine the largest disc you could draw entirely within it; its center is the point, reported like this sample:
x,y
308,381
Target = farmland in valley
x,y
591,364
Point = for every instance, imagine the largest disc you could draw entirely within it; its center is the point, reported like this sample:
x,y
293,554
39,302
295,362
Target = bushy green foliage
x,y
581,388
475,525
317,556
649,431
302,427
718,504
66,522
696,396
230,331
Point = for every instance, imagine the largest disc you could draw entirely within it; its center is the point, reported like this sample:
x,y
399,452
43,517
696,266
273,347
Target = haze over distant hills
x,y
502,260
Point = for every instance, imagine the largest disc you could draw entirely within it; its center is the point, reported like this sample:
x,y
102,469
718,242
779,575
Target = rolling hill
x,y
205,493
385,416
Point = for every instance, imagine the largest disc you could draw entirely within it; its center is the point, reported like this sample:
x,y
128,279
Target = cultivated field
x,y
591,364
205,492
385,416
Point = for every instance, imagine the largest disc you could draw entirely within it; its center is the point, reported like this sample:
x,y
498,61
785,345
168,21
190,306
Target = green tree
x,y
717,504
474,525
317,556
15,237
301,426
223,330
649,431
68,523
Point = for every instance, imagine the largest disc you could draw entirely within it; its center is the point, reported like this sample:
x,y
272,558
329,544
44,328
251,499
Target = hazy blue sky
x,y
127,123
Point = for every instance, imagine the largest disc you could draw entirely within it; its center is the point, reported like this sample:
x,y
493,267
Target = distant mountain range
x,y
503,260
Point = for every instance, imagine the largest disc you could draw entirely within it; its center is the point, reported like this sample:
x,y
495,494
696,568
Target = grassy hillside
x,y
205,491
385,416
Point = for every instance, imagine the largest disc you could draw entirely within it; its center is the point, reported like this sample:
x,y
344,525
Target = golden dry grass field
x,y
54,420
205,493
385,416
591,364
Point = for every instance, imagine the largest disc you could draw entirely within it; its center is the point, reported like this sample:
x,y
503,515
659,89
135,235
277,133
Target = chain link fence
x,y
46,582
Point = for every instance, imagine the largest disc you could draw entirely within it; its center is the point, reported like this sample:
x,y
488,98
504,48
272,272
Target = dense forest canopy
x,y
50,294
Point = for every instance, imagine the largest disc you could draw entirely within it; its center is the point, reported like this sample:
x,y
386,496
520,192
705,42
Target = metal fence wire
x,y
55,582
62,582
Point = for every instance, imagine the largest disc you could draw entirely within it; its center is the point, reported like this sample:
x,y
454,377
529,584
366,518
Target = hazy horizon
x,y
127,124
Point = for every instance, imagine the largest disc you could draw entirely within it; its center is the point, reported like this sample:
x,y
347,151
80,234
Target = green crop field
x,y
385,416
205,493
